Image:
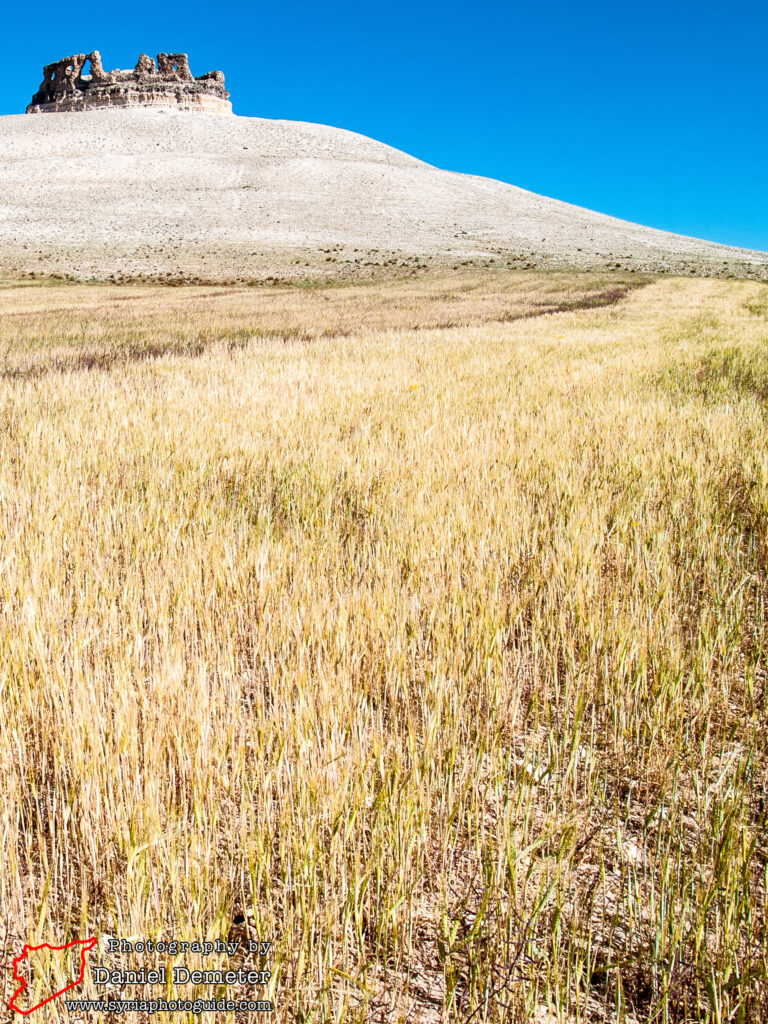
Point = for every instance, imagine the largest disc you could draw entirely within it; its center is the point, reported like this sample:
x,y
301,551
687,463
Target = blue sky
x,y
655,112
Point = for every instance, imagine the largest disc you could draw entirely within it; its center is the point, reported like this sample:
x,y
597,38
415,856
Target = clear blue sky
x,y
651,111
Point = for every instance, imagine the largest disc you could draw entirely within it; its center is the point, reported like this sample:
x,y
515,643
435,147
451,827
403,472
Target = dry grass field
x,y
417,628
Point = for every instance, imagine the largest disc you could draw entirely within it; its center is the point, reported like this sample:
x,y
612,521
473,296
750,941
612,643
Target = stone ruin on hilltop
x,y
169,83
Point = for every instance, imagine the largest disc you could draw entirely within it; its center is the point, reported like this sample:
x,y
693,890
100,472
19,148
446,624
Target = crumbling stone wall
x,y
169,83
174,66
64,77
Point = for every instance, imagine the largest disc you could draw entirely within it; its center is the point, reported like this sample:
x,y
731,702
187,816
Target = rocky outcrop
x,y
167,83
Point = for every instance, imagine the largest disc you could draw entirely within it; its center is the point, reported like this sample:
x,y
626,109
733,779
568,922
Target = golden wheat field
x,y
416,628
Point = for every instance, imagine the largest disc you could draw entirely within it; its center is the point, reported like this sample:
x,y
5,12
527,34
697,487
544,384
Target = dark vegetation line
x,y
607,297
106,359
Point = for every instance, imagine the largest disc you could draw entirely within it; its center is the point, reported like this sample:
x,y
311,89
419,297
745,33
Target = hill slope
x,y
144,191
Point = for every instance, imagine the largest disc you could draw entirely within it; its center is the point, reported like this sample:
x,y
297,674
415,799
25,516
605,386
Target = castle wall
x,y
169,83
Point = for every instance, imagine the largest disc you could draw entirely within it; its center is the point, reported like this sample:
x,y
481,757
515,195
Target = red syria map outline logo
x,y
85,943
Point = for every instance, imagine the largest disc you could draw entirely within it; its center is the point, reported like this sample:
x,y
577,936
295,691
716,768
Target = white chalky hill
x,y
145,191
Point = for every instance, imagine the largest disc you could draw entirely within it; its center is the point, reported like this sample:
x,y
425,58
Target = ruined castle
x,y
167,83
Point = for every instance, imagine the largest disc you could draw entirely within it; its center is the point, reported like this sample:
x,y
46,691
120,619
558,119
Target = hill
x,y
161,193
